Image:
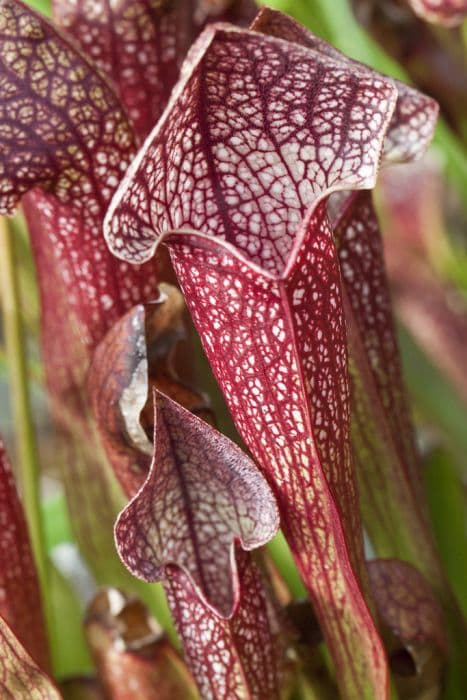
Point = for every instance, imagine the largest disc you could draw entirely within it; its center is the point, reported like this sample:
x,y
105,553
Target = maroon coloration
x,y
83,289
239,12
447,12
387,460
20,678
20,601
80,306
63,123
236,658
407,604
62,126
413,627
246,164
92,498
201,496
82,134
199,517
414,118
141,45
257,132
74,318
388,469
260,369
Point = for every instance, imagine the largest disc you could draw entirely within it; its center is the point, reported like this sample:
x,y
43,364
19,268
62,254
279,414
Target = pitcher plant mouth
x,y
268,173
171,463
190,238
241,498
292,169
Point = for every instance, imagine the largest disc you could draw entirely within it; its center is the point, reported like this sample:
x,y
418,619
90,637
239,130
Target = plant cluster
x,y
200,155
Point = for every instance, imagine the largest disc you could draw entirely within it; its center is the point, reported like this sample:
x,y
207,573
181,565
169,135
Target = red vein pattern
x,y
78,149
20,600
383,437
92,498
20,678
201,496
141,45
269,370
62,122
360,247
190,511
76,312
244,653
414,118
83,289
62,126
246,164
393,502
249,165
447,12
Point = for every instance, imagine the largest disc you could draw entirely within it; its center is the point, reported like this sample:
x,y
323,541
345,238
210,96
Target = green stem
x,y
282,557
17,366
